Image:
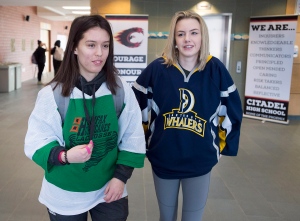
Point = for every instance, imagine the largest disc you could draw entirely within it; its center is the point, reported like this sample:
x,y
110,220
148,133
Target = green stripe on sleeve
x,y
135,160
41,156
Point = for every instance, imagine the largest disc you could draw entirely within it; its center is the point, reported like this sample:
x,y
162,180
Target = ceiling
x,y
50,9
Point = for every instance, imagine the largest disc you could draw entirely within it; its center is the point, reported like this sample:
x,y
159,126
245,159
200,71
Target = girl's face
x,y
188,38
92,52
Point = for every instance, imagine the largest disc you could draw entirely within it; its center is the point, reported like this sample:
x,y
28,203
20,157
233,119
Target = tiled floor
x,y
261,184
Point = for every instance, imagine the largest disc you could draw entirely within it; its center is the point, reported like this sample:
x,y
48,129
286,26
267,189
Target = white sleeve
x,y
131,133
44,124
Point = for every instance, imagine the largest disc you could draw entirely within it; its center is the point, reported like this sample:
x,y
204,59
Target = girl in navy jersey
x,y
192,114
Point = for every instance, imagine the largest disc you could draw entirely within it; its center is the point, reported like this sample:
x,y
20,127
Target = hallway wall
x,y
22,36
14,26
161,12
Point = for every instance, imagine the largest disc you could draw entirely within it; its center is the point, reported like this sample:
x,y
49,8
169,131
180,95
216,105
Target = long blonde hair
x,y
170,53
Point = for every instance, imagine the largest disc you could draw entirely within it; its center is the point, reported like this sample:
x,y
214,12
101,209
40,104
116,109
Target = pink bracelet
x,y
59,157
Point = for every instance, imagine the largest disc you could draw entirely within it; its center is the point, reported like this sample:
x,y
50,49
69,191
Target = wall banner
x,y
130,44
269,67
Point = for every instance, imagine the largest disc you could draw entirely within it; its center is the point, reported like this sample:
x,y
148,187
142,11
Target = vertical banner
x,y
269,67
130,44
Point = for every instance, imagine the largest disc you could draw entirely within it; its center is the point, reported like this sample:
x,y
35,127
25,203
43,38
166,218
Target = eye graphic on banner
x,y
131,38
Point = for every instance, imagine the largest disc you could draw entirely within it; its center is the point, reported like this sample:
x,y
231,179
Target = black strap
x,y
90,119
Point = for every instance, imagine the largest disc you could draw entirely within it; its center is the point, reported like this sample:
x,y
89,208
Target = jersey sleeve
x,y
131,136
230,113
44,129
143,92
143,89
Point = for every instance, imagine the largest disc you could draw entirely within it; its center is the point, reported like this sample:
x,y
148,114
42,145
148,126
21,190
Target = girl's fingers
x,y
89,146
88,149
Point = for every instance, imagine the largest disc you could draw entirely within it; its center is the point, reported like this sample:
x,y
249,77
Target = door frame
x,y
45,36
226,36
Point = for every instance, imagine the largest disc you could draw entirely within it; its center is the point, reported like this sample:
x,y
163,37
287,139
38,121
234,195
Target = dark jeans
x,y
114,211
41,69
56,65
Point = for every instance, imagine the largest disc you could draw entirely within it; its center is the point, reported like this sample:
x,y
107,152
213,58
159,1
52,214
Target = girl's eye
x,y
194,33
91,45
180,34
106,46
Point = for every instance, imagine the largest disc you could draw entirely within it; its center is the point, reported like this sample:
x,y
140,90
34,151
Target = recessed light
x,y
77,7
204,5
81,12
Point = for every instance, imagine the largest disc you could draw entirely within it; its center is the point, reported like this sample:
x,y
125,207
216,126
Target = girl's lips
x,y
188,46
98,62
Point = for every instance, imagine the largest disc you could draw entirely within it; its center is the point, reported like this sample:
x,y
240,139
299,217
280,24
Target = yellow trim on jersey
x,y
145,127
208,58
222,135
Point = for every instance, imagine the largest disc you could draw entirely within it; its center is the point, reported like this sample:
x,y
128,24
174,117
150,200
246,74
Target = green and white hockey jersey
x,y
77,187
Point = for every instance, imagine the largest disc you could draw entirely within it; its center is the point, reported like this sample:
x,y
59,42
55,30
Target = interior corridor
x,y
261,184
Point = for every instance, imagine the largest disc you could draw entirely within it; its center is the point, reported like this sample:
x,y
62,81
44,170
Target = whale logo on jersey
x,y
184,117
187,100
131,38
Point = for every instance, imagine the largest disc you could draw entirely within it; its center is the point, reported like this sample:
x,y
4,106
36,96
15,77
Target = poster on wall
x,y
130,44
269,67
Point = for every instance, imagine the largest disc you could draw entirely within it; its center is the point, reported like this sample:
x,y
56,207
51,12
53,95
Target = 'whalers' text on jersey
x,y
184,117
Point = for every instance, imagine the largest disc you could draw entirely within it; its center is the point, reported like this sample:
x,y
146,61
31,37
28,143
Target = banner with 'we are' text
x,y
269,67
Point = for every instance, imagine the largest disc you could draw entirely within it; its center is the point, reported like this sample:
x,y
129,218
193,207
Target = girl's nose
x,y
99,51
187,38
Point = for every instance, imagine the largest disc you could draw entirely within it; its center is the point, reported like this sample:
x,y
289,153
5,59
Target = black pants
x,y
41,69
56,65
114,211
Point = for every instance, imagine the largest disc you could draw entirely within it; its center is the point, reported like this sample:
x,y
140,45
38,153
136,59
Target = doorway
x,y
45,32
219,29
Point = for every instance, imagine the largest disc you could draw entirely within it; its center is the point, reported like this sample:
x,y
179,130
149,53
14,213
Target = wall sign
x,y
130,34
269,67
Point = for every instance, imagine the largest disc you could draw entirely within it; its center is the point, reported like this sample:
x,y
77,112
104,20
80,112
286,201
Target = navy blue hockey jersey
x,y
191,119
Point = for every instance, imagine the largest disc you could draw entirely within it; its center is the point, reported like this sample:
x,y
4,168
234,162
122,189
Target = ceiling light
x,y
77,7
204,5
81,12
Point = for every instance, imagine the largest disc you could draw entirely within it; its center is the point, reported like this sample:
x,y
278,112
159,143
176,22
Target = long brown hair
x,y
170,53
69,73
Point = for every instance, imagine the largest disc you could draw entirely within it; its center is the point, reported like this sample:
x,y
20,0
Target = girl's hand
x,y
80,153
114,190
